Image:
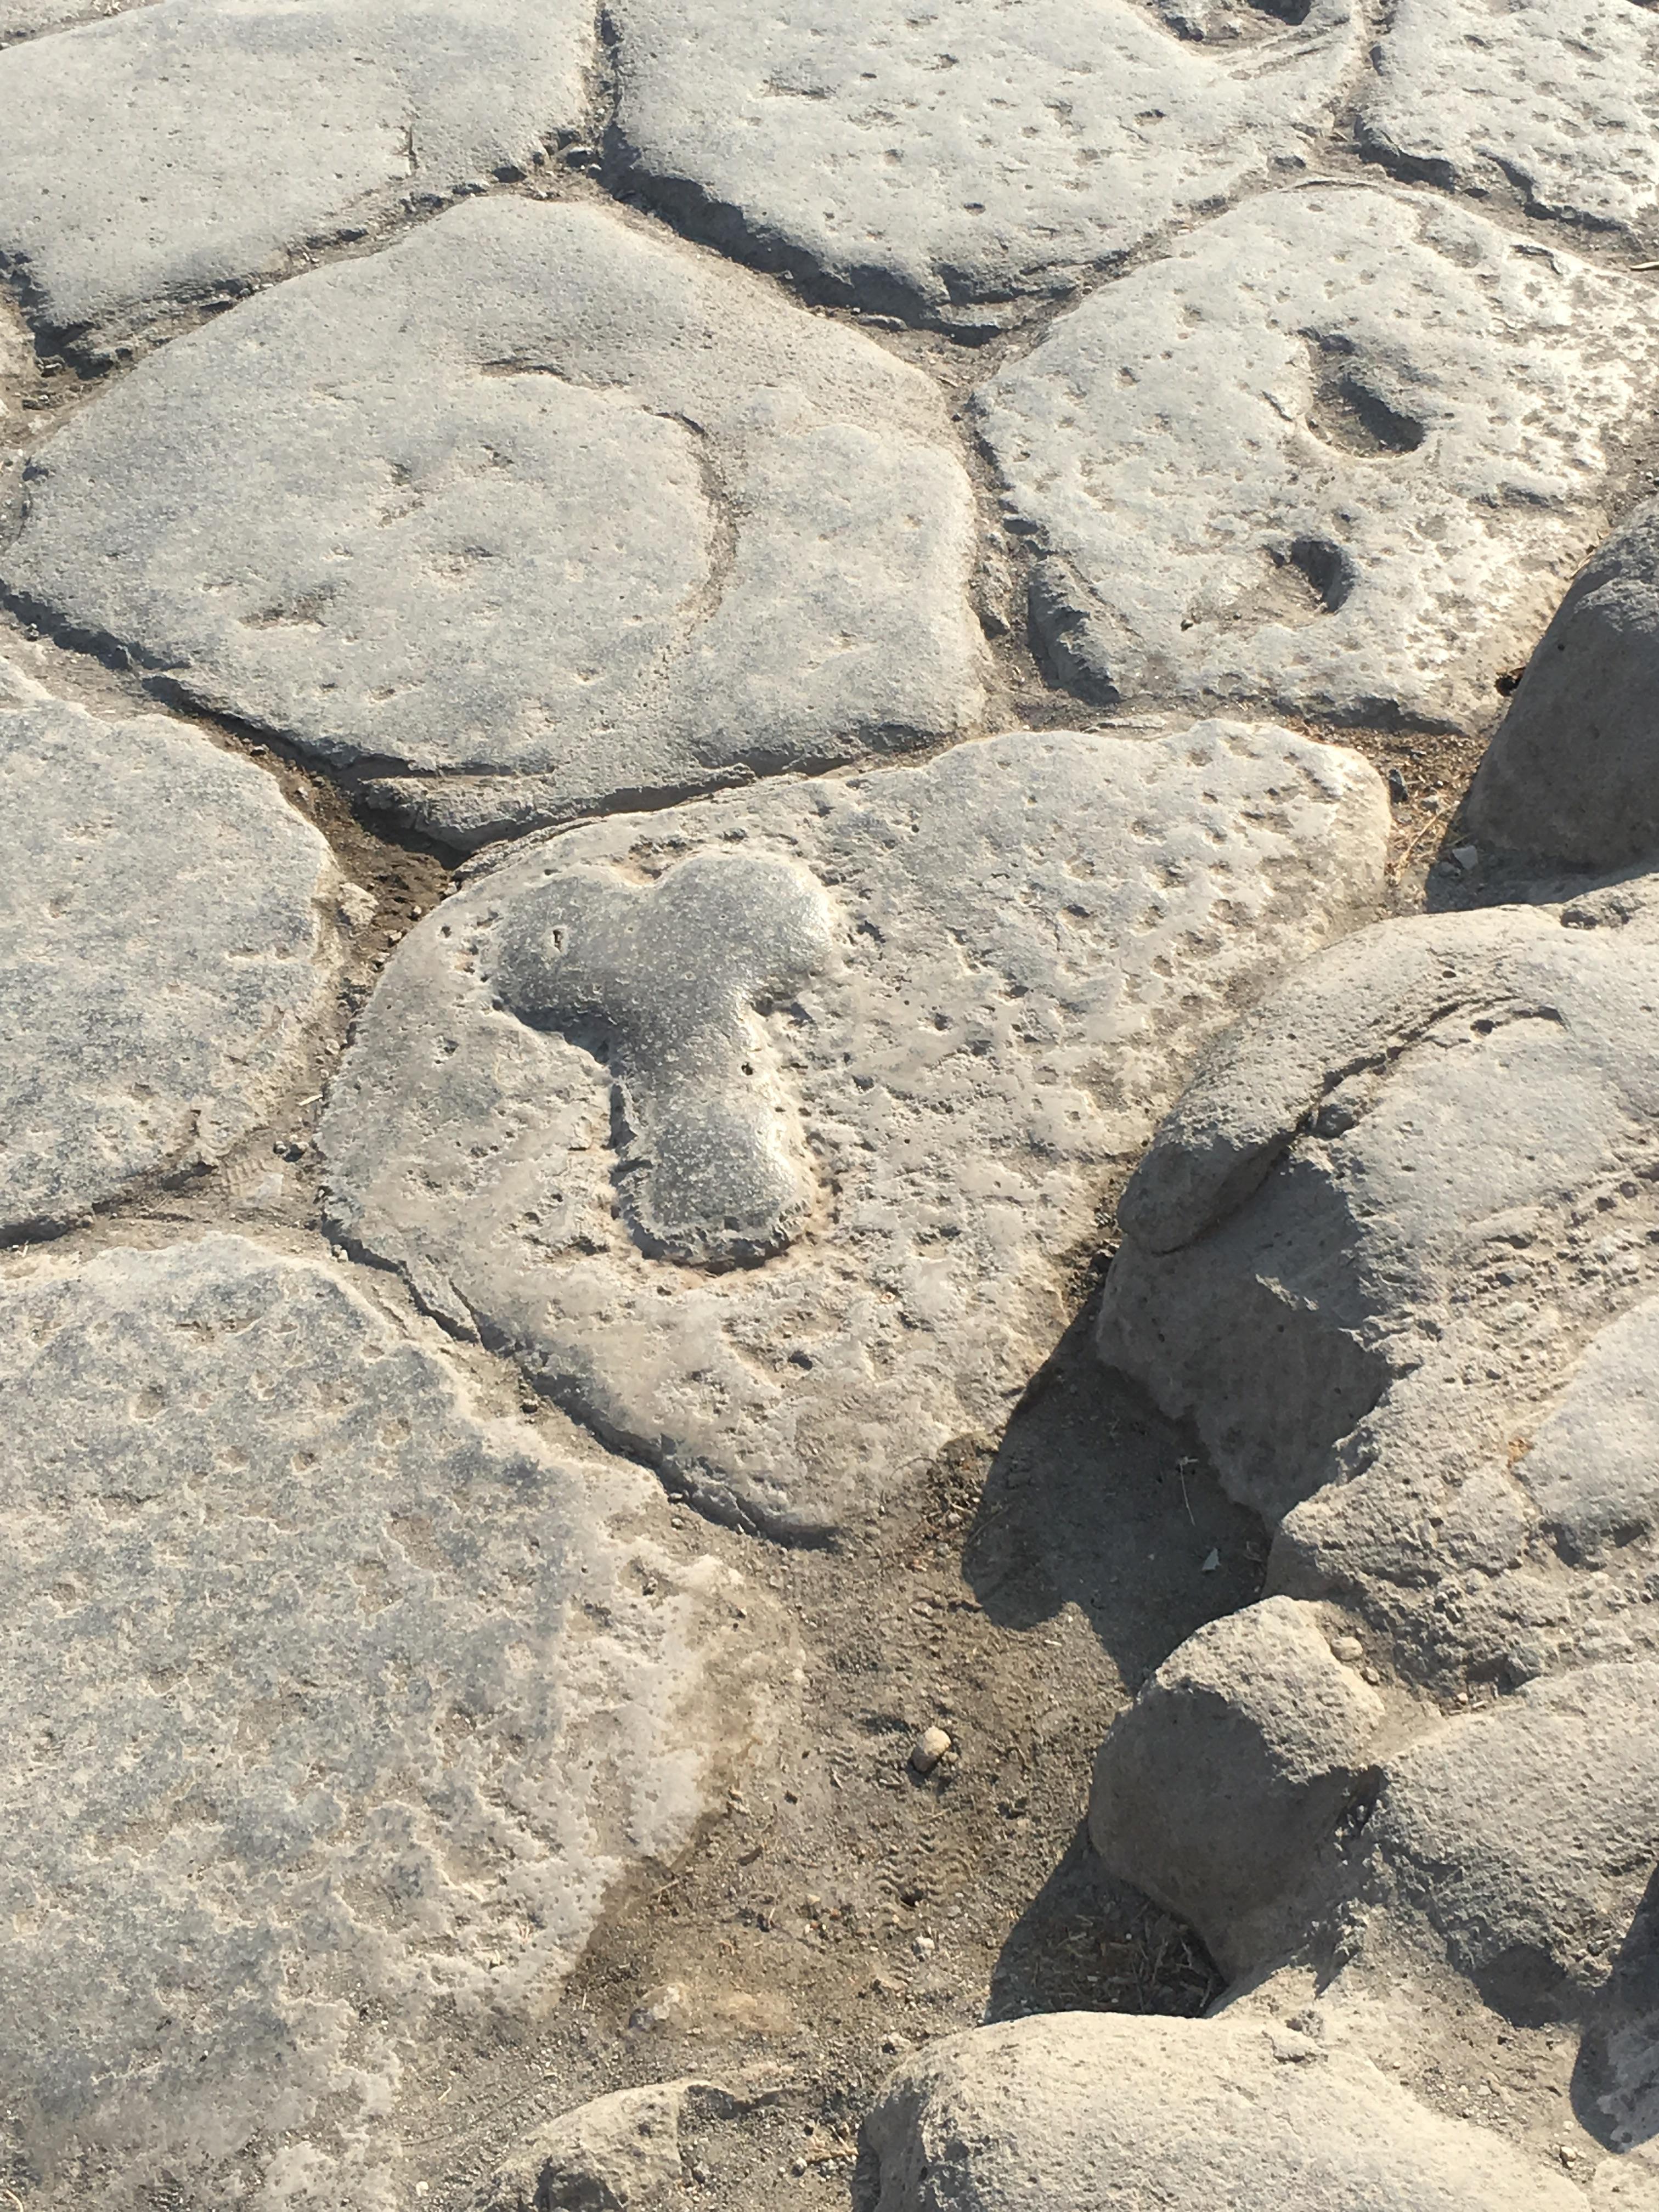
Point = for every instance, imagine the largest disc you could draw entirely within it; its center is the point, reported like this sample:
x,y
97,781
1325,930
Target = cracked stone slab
x,y
1079,2110
233,134
1556,100
531,515
1337,453
337,1708
761,1129
965,154
171,930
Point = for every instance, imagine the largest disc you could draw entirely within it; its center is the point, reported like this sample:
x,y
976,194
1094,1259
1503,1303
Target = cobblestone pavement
x,y
827,1284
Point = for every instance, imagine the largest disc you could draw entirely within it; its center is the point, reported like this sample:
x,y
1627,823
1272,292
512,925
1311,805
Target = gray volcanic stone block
x,y
1526,1834
169,933
1077,2111
1574,770
759,1128
530,515
337,1708
1218,1790
1335,454
1557,99
230,133
919,163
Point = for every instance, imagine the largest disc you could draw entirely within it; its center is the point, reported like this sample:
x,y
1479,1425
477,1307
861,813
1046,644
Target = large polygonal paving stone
x,y
175,152
531,513
1337,453
333,1708
965,152
1556,99
765,1130
169,930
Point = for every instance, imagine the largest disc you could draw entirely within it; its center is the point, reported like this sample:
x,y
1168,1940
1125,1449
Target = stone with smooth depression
x,y
1081,2111
1555,100
760,1128
175,153
532,515
170,933
932,162
1336,453
336,1708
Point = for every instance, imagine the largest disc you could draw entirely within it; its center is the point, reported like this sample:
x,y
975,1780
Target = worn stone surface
x,y
1574,770
967,155
615,2153
528,515
892,1037
170,931
231,134
26,19
1080,2110
1554,99
1526,1834
338,1708
1223,1783
1336,453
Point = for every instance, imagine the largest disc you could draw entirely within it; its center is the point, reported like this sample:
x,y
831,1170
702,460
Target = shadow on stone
x,y
1615,2083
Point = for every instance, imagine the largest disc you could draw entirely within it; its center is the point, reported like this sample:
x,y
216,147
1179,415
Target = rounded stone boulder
x,y
1219,1791
170,931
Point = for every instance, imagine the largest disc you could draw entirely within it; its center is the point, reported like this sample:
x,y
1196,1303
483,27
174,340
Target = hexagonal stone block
x,y
761,1129
531,514
336,1708
931,162
1336,453
175,153
169,935
1555,100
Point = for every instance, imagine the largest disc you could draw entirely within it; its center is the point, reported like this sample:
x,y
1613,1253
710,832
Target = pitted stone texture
x,y
1526,1834
1574,770
168,935
230,134
1557,99
615,2154
526,516
1336,453
968,153
960,991
1592,1470
1077,2111
1367,1250
1219,1791
336,1709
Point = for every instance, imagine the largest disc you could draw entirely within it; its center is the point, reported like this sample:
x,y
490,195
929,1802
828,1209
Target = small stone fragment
x,y
165,948
757,1128
230,138
529,515
929,1748
1335,452
617,2154
922,164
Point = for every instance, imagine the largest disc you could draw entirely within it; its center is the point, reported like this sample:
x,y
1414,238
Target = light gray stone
x,y
26,19
759,1128
1336,453
175,153
615,2154
336,1708
1077,2111
968,154
1593,1468
1526,1834
1574,770
170,931
1220,1790
530,514
1556,100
